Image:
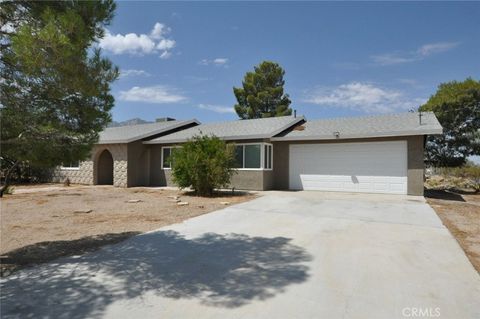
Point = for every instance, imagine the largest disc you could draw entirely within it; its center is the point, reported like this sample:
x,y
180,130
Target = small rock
x,y
225,203
134,201
182,203
84,211
174,200
201,206
173,197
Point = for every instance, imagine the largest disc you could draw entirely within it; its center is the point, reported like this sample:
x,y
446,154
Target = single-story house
x,y
373,154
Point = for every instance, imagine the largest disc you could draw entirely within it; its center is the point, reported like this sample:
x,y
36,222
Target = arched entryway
x,y
105,168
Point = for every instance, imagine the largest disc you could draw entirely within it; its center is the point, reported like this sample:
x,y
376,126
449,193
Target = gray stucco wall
x,y
415,165
138,164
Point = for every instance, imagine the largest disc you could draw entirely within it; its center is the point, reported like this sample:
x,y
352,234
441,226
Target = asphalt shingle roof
x,y
401,124
130,133
233,130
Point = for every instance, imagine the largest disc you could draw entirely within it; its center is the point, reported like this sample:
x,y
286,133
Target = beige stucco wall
x,y
415,166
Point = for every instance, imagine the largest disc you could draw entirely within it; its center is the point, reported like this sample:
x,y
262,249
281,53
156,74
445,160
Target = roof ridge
x,y
361,117
145,124
257,119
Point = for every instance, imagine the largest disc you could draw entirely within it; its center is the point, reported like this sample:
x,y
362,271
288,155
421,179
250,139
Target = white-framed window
x,y
166,156
70,166
254,156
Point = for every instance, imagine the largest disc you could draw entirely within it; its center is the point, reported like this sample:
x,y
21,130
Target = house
x,y
373,154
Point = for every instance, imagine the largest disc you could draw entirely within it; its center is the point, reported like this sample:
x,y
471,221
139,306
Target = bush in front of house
x,y
204,163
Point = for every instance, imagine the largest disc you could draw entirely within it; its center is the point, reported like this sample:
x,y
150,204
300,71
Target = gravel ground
x,y
39,224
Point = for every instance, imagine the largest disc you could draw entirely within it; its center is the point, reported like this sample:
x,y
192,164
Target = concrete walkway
x,y
284,255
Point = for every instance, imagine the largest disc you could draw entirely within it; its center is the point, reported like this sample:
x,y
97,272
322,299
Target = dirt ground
x,y
460,213
41,223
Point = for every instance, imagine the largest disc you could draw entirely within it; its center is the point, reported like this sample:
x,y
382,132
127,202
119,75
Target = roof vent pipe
x,y
295,113
420,118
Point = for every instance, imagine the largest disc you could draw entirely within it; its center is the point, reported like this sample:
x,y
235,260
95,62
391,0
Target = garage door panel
x,y
378,167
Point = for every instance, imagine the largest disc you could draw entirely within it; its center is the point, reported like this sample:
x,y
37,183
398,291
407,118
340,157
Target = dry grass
x,y
39,224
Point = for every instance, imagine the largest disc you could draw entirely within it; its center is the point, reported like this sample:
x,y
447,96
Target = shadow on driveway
x,y
219,270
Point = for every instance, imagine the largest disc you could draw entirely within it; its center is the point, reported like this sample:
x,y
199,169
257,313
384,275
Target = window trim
x,y
161,159
262,157
70,168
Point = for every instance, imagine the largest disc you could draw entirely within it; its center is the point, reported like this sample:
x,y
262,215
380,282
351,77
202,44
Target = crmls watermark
x,y
419,312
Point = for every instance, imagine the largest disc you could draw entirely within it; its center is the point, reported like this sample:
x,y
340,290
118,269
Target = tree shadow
x,y
218,270
46,251
444,195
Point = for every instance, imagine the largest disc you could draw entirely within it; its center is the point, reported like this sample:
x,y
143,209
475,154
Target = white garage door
x,y
374,167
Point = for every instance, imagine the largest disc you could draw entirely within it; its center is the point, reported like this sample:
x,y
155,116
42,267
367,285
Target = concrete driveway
x,y
284,255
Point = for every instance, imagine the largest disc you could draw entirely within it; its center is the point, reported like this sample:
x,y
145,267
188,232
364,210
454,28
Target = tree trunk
x,y
7,178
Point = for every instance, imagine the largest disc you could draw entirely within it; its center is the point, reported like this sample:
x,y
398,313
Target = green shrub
x,y
204,163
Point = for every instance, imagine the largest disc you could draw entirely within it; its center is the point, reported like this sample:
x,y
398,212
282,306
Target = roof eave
x,y
225,138
357,136
235,137
139,137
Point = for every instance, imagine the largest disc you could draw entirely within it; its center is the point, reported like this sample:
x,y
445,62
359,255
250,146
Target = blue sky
x,y
341,59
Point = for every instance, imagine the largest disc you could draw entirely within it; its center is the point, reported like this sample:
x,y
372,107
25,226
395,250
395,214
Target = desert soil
x,y
460,213
41,223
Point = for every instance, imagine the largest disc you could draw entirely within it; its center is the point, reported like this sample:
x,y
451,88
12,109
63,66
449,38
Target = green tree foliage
x,y
55,88
457,107
262,93
204,163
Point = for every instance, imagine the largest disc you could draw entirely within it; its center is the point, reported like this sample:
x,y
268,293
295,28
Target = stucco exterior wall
x,y
158,176
243,179
415,166
138,164
247,180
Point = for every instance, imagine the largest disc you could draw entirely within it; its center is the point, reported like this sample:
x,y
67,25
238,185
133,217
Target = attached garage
x,y
368,167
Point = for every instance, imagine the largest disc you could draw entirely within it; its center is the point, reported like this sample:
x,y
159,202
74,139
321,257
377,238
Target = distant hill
x,y
134,121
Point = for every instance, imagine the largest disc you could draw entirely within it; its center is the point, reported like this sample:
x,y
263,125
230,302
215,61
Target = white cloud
x,y
389,59
411,56
152,94
216,108
429,49
159,31
216,62
365,97
133,72
165,55
140,44
166,44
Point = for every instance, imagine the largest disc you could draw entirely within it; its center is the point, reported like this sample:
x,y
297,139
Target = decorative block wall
x,y
86,173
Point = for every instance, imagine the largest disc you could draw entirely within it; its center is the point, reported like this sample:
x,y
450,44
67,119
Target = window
x,y
166,154
253,156
71,165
